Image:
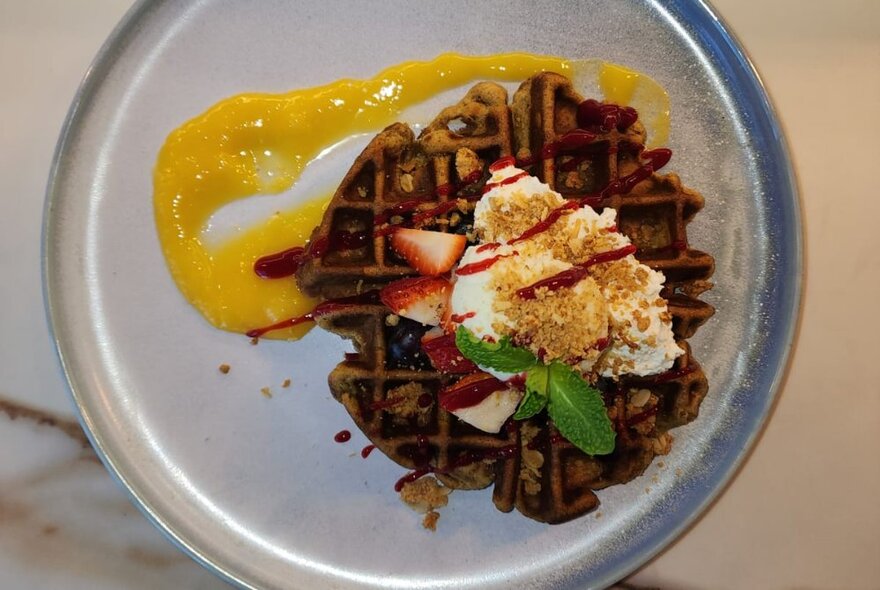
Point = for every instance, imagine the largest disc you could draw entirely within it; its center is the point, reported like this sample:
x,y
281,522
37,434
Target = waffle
x,y
396,178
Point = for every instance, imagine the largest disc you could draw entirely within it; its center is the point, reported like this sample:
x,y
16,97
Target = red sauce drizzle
x,y
657,158
325,307
458,396
352,357
280,264
502,163
425,400
452,188
641,416
526,162
342,436
365,452
673,374
438,210
411,477
348,240
398,209
603,117
458,318
318,247
389,402
481,265
573,275
545,224
489,246
509,180
337,241
471,457
444,190
462,460
573,140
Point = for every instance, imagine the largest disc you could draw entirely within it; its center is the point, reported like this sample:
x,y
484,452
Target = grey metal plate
x,y
256,489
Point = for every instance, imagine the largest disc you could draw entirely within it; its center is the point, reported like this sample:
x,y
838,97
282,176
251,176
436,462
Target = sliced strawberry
x,y
443,353
423,299
431,253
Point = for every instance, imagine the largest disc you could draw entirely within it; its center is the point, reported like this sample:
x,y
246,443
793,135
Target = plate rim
x,y
700,12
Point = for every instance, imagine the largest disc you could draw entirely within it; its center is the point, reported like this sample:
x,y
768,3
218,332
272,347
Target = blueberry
x,y
463,229
405,346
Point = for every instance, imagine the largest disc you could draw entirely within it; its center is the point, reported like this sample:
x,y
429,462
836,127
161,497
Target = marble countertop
x,y
801,513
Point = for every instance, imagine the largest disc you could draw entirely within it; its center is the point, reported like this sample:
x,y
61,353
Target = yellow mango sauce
x,y
258,144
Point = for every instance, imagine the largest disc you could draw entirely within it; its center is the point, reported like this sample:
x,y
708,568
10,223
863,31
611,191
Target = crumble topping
x,y
467,162
505,218
425,495
532,460
567,323
403,402
611,323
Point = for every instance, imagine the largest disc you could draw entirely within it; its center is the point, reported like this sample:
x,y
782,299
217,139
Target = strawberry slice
x,y
423,299
445,356
431,253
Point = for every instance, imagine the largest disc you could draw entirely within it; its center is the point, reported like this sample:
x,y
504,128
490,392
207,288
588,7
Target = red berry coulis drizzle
x,y
280,264
325,307
547,222
458,318
575,274
459,396
481,265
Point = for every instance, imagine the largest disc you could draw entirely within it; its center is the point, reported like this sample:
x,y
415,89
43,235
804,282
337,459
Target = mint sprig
x,y
574,405
500,356
537,392
578,411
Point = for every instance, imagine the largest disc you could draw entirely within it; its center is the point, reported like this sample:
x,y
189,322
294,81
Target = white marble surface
x,y
803,511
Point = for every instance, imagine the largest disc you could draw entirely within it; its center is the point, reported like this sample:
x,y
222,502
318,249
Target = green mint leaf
x,y
537,387
500,356
578,411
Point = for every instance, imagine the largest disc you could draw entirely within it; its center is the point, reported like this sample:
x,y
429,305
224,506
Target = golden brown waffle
x,y
532,467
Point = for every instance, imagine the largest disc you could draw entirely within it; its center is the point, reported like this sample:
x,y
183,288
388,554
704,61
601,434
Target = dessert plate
x,y
256,489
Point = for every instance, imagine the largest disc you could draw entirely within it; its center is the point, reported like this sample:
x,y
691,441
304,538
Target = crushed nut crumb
x,y
224,368
406,182
425,495
467,162
430,520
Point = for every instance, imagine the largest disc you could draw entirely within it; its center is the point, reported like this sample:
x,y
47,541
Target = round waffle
x,y
433,182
